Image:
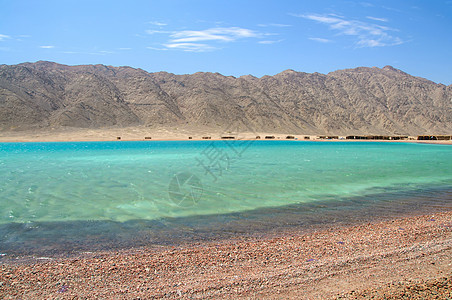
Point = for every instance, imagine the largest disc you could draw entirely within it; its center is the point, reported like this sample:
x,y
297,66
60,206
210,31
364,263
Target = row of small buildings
x,y
389,137
361,137
336,137
358,137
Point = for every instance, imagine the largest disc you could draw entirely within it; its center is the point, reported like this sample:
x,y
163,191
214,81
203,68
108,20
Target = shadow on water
x,y
68,238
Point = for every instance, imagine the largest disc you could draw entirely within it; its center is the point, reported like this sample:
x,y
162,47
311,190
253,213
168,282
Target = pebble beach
x,y
401,258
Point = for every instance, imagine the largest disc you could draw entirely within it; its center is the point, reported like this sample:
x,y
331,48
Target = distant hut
x,y
397,138
426,138
290,137
434,137
443,137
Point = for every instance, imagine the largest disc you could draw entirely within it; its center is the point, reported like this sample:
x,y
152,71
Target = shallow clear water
x,y
120,182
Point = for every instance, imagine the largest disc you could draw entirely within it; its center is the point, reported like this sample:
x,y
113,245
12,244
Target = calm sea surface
x,y
95,195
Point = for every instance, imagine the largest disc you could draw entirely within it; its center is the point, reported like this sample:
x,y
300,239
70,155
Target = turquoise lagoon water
x,y
150,185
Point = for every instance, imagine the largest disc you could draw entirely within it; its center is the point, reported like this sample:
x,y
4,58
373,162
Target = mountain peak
x,y
42,63
288,71
391,68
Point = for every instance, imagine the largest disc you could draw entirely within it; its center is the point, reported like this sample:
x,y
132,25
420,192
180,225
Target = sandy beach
x,y
142,133
408,258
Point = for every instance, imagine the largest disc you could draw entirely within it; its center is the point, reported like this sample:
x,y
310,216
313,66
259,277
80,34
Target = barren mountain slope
x,y
353,101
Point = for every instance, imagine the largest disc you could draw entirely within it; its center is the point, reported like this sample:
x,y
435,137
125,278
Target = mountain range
x,y
42,95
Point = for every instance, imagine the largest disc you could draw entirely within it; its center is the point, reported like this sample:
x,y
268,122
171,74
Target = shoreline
x,y
336,261
73,238
173,134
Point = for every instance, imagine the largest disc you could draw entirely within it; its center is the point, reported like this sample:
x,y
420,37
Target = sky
x,y
232,37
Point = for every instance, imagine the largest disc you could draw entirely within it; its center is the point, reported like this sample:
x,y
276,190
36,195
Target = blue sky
x,y
232,37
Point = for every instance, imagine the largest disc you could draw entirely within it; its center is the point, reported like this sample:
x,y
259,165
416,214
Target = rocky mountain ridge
x,y
353,101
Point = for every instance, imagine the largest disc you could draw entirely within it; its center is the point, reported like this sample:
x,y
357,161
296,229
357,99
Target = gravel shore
x,y
405,258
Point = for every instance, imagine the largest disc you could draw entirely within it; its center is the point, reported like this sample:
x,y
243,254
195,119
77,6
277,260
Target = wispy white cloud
x,y
229,34
377,19
46,47
329,19
366,4
367,34
274,25
320,40
378,42
190,47
269,42
392,9
4,37
204,40
17,38
158,49
124,49
157,23
150,31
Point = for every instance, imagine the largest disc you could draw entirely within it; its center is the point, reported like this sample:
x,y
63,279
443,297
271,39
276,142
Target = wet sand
x,y
407,257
